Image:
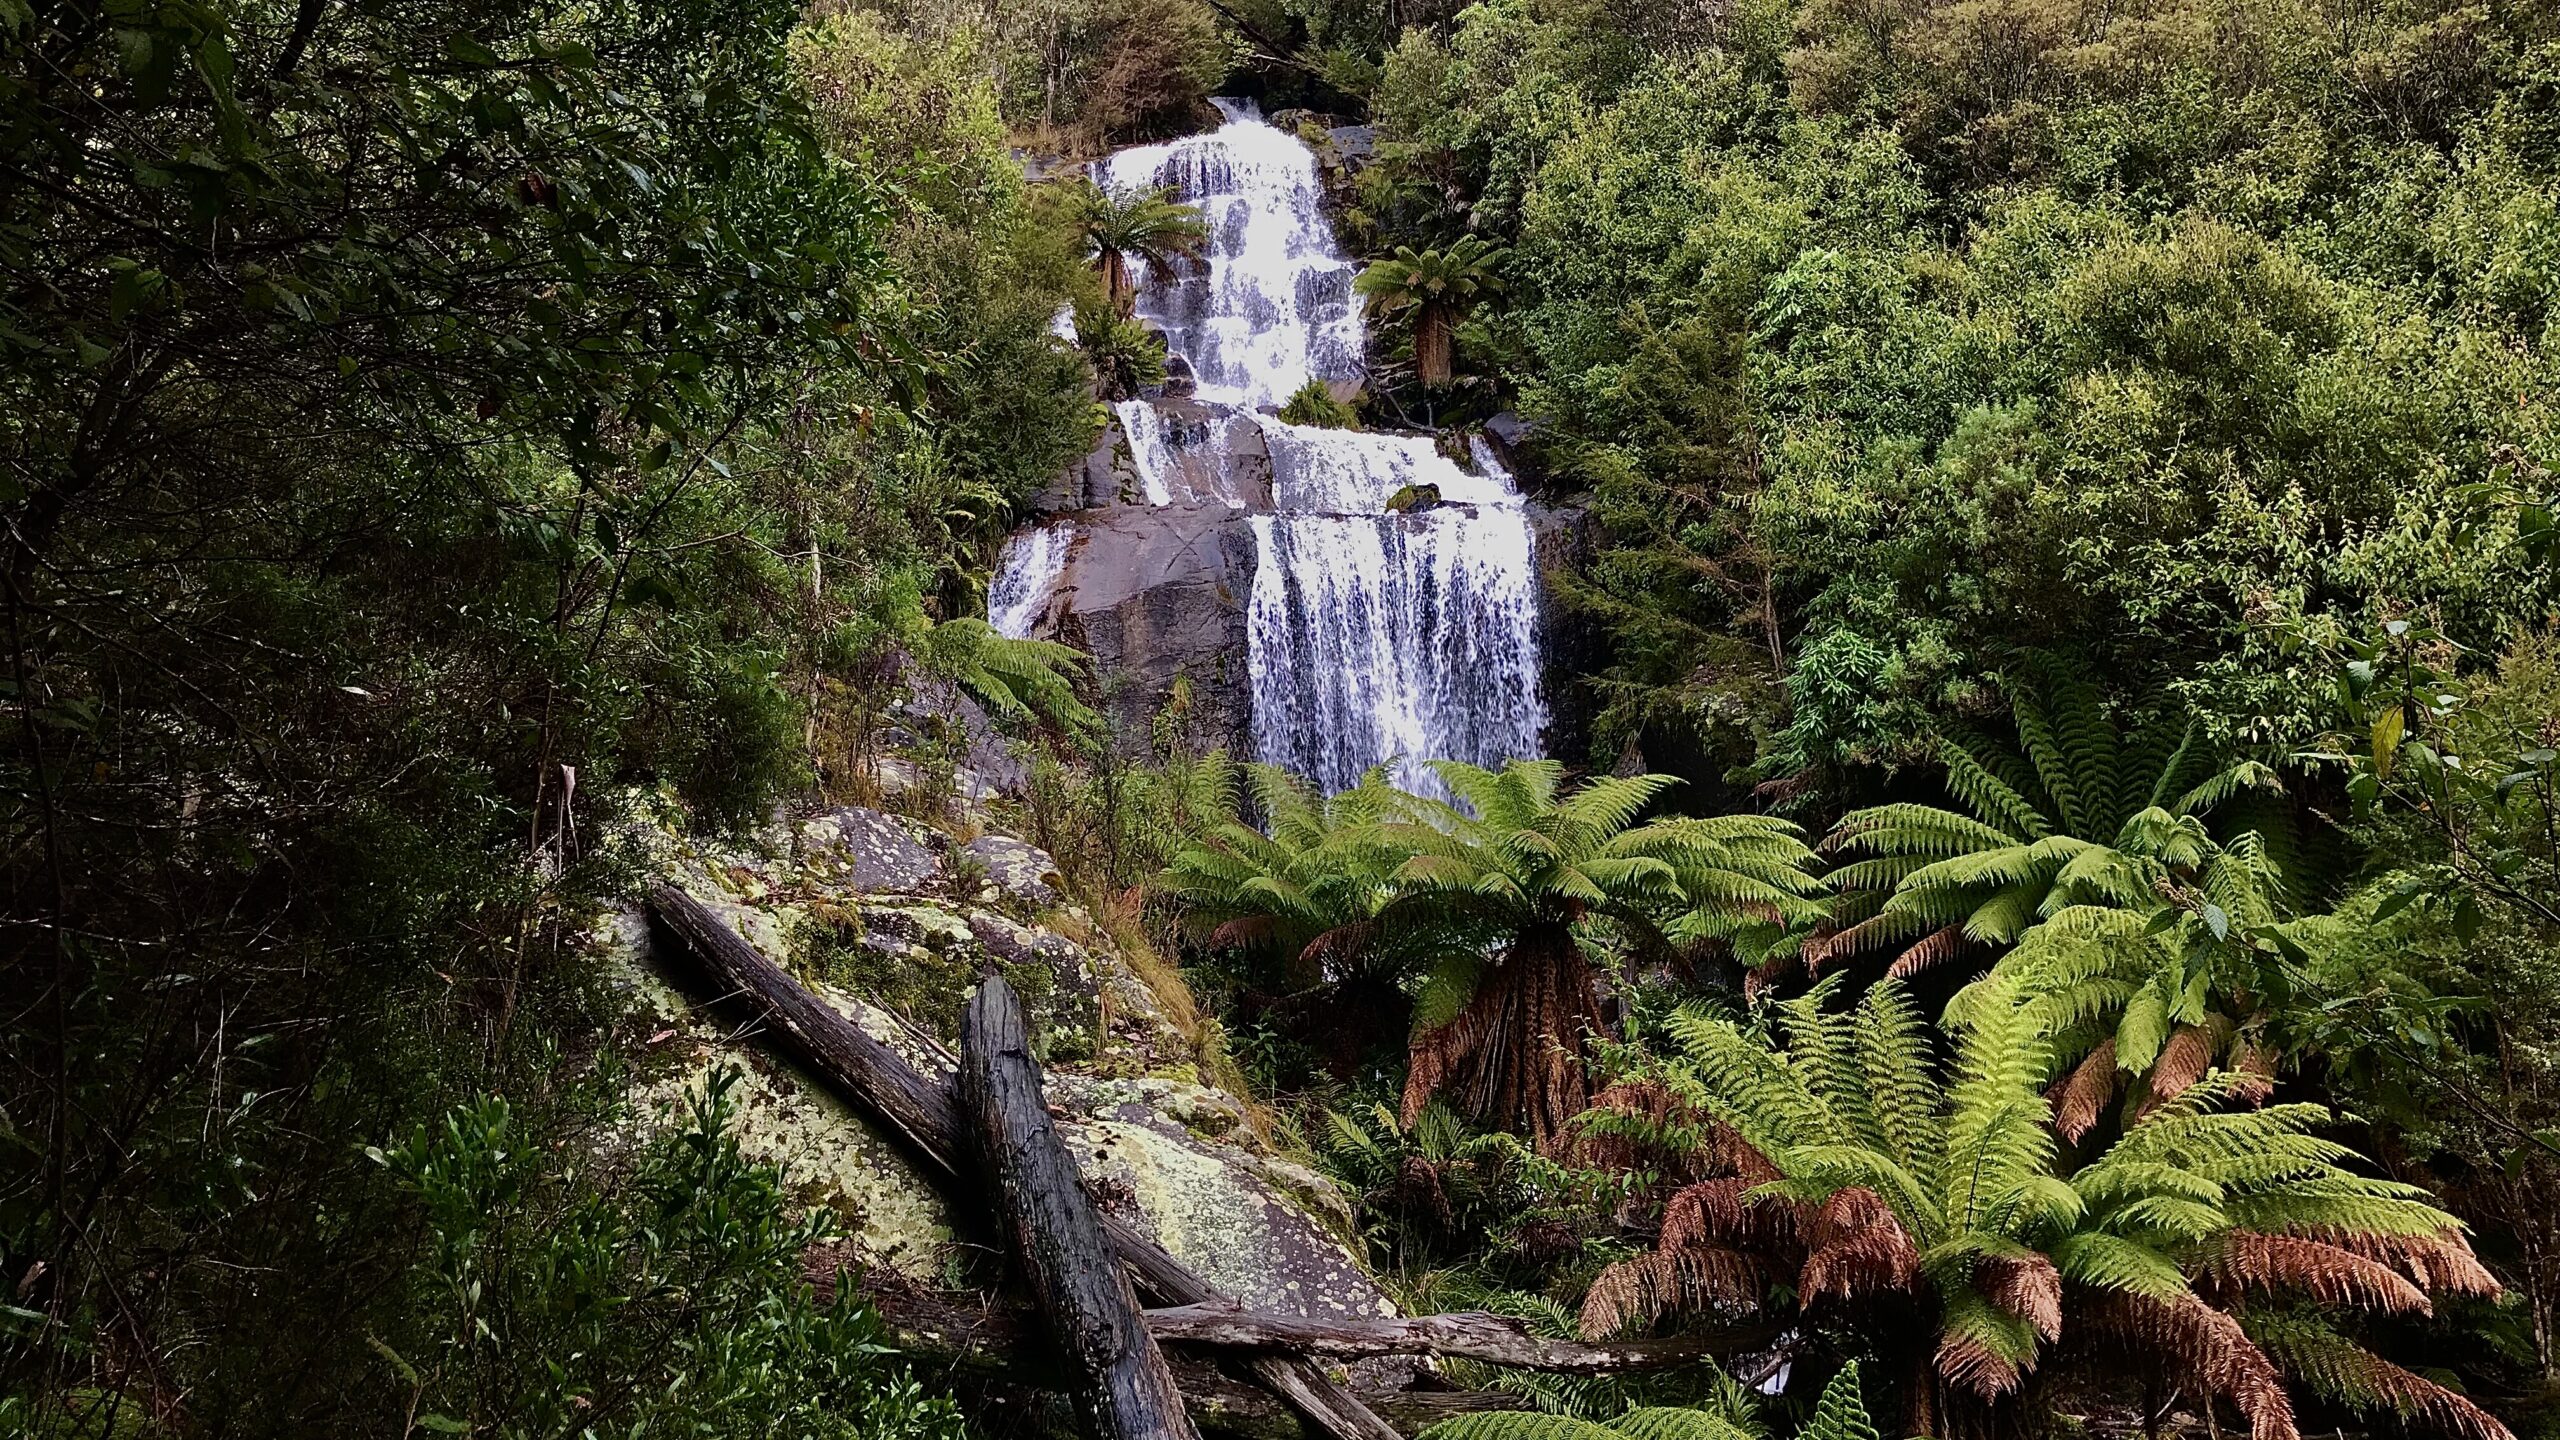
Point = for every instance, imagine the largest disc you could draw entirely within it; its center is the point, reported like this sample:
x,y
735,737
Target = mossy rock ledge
x,y
841,899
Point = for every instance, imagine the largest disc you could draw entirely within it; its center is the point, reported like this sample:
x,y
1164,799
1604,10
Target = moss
x,y
923,964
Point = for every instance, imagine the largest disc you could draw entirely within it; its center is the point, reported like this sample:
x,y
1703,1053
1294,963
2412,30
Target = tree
x,y
2079,813
1151,228
1519,887
1288,890
1437,288
1841,1157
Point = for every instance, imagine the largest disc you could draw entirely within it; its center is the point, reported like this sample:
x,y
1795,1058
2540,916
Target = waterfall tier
x,y
1371,634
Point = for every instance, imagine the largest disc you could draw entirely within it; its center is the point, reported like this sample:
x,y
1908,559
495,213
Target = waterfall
x,y
1025,574
1372,634
1273,307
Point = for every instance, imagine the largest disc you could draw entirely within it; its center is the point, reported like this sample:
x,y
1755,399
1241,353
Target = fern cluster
x,y
1491,904
2079,814
1858,1167
1841,1414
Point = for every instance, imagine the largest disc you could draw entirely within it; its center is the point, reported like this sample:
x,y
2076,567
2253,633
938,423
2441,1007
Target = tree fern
x,y
2077,813
1941,1183
1491,902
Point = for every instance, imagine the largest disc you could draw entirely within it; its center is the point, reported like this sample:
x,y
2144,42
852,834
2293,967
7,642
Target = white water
x,y
1025,574
1371,635
1273,307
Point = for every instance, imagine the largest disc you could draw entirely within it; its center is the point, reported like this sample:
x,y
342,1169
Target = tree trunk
x,y
1514,1055
1117,280
1118,1378
1433,327
879,1082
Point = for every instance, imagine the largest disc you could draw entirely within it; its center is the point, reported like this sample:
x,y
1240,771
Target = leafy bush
x,y
657,1295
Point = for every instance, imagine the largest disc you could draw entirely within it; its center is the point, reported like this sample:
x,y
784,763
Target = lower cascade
x,y
1392,614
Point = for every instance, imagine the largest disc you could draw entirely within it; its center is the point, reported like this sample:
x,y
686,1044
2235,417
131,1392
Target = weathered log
x,y
877,1079
1121,1387
918,1109
1472,1335
999,1345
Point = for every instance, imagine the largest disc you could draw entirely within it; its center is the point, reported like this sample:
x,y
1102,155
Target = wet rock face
x,y
1159,597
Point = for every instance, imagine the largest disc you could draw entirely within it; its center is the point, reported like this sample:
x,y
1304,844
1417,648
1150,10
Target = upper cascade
x,y
1272,308
1393,610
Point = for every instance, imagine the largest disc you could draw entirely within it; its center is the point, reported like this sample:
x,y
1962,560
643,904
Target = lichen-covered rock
x,y
1211,1205
1018,868
858,920
878,852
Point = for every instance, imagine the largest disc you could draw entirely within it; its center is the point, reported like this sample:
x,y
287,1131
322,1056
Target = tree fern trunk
x,y
1432,327
1514,1055
1117,280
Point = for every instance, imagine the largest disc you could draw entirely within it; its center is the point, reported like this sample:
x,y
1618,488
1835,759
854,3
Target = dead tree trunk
x,y
1119,1381
877,1079
916,1107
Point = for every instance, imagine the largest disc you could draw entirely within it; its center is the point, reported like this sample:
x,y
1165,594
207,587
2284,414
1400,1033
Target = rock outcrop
x,y
893,923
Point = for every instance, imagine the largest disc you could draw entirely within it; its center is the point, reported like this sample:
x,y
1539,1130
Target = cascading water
x,y
1025,574
1373,634
1272,306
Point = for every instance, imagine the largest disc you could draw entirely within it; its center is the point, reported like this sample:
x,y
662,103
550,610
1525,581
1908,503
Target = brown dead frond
x,y
1631,1125
2182,1063
1514,1054
1854,1245
2440,1264
2026,1286
2203,1348
1717,1212
1815,952
2253,1062
1938,945
2343,1368
1644,1289
2327,1273
2080,1097
1966,1361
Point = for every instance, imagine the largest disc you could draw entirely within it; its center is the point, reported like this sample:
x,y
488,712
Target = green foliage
x,y
2078,814
1119,233
1127,357
1893,1171
666,1298
1889,341
440,432
1436,289
1841,1414
1498,894
1313,404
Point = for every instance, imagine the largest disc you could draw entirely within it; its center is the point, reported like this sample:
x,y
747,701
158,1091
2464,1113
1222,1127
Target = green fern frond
x,y
1841,1413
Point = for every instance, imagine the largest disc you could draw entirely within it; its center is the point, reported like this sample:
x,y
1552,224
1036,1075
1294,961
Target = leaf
x,y
2388,727
444,1425
2217,920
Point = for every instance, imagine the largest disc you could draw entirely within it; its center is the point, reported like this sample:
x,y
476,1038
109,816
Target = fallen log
x,y
877,1079
1118,1378
995,1345
1472,1335
918,1109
